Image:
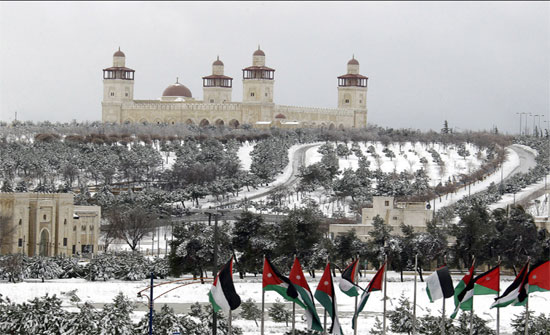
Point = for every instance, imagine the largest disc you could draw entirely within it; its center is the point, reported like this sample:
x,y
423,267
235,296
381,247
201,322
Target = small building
x,y
48,225
394,213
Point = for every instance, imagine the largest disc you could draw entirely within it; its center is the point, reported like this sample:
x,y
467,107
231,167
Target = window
x,y
211,101
44,216
74,228
20,243
64,241
112,94
386,203
347,101
74,249
83,228
91,227
65,221
395,217
266,94
20,221
126,93
251,94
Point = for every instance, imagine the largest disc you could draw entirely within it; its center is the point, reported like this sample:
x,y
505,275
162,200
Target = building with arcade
x,y
257,108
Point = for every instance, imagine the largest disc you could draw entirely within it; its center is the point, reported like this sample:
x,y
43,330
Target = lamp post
x,y
534,116
520,114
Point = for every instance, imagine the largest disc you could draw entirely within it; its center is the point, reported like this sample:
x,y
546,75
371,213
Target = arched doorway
x,y
341,127
219,123
189,122
204,123
44,243
234,124
332,126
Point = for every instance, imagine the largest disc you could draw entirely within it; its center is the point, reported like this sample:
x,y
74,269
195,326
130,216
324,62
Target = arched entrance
x,y
204,123
189,122
332,126
44,243
234,124
219,123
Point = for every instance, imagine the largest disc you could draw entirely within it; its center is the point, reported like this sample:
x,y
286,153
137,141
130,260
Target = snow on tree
x,y
115,318
43,268
86,321
249,311
279,313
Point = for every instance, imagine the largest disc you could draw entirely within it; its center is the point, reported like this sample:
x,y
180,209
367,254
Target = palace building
x,y
257,109
48,225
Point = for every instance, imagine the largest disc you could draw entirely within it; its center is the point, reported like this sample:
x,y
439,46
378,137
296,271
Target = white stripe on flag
x,y
219,297
434,286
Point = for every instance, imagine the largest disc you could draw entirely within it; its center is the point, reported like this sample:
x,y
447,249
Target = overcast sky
x,y
473,64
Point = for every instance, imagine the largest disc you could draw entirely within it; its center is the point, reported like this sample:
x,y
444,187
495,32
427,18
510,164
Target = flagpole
x,y
229,323
263,308
527,302
385,291
443,311
498,308
325,323
472,311
293,317
414,299
356,283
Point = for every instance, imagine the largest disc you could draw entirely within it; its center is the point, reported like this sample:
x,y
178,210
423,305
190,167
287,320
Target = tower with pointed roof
x,y
217,87
258,80
118,87
352,87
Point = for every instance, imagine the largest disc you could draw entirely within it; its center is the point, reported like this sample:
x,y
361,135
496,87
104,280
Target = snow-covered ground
x,y
408,159
103,292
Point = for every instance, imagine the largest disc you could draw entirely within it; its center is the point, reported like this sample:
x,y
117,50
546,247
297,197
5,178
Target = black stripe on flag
x,y
446,282
520,279
291,290
225,279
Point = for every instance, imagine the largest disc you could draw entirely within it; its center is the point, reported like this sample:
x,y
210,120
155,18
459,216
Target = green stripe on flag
x,y
325,300
213,302
482,290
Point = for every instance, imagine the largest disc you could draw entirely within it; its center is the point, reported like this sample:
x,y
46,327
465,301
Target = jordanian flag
x,y
516,293
305,296
439,284
539,278
374,285
274,281
326,296
488,282
464,293
222,295
347,283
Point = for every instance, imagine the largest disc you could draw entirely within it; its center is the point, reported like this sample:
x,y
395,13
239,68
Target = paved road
x,y
526,158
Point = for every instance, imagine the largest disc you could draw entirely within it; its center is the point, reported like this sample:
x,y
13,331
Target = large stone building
x,y
257,108
393,213
48,225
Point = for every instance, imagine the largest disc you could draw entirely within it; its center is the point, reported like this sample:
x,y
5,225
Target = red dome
x,y
353,61
218,62
119,53
177,90
258,52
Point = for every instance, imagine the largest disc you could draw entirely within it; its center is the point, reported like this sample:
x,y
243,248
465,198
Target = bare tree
x,y
131,224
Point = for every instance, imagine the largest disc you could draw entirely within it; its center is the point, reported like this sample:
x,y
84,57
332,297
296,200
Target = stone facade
x,y
257,108
413,214
48,225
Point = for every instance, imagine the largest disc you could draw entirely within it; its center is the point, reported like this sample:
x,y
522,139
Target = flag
x,y
272,280
374,285
297,278
222,295
439,284
488,282
539,278
347,283
464,293
327,297
515,293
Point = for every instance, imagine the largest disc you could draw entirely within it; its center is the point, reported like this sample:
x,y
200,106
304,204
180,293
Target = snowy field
x,y
103,292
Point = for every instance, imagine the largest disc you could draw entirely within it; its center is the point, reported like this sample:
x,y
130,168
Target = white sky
x,y
474,64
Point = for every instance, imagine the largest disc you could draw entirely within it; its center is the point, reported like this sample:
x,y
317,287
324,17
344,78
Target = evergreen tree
x,y
249,311
115,318
278,312
84,322
401,319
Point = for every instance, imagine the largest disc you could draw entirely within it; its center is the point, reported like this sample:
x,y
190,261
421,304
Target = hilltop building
x,y
393,213
258,109
48,225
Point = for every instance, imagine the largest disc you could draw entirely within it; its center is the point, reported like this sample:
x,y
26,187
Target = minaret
x,y
118,87
352,93
217,87
352,87
258,80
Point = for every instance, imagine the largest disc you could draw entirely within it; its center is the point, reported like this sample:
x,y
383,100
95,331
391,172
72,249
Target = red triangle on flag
x,y
297,275
269,277
325,284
